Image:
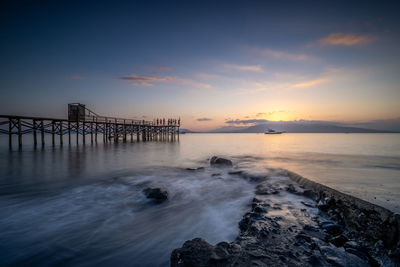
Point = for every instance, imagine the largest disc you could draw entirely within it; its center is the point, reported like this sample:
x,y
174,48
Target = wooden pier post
x,y
77,132
115,131
61,133
144,134
52,133
131,132
83,132
109,131
105,131
9,133
91,132
124,132
42,131
69,132
34,133
19,134
95,134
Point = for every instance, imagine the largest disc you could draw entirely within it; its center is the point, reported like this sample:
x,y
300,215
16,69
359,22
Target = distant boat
x,y
270,131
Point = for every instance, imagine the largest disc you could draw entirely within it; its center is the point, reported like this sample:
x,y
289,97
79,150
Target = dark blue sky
x,y
202,59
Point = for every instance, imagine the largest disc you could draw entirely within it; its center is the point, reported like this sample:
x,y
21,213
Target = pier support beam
x,y
52,133
95,133
42,131
69,132
61,133
91,132
19,134
83,132
10,133
77,132
34,124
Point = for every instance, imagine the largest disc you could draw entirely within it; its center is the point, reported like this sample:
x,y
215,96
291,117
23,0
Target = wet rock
x,y
216,161
196,252
332,229
308,204
215,174
235,172
359,253
310,194
315,261
325,223
195,169
291,188
338,257
339,240
260,209
309,227
256,201
276,233
304,237
352,244
266,189
322,205
157,194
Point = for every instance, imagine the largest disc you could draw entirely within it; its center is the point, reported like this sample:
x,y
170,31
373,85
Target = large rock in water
x,y
217,161
157,194
199,253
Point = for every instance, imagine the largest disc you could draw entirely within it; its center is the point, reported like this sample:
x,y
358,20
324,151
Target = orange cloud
x,y
147,80
346,39
310,83
285,55
256,68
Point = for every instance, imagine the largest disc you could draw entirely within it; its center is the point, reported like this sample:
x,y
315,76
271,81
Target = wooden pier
x,y
87,124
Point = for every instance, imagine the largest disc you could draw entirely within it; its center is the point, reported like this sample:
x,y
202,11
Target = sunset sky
x,y
208,62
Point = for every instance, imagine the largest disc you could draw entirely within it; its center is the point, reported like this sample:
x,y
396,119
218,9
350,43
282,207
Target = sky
x,y
207,62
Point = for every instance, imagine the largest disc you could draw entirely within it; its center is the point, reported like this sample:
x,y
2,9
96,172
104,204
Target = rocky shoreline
x,y
294,221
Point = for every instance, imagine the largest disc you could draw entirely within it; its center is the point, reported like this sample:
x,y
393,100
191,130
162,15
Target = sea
x,y
83,205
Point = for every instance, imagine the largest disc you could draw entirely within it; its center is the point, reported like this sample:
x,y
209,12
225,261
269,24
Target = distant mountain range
x,y
303,126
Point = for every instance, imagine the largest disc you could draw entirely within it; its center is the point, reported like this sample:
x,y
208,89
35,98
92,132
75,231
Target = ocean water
x,y
83,205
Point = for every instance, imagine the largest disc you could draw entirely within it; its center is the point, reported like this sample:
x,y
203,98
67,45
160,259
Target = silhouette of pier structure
x,y
87,124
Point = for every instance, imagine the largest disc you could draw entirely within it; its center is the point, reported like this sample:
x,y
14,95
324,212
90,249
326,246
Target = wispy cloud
x,y
145,78
204,119
256,68
77,77
285,55
148,80
270,113
309,83
346,39
245,122
261,114
165,68
262,117
263,86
